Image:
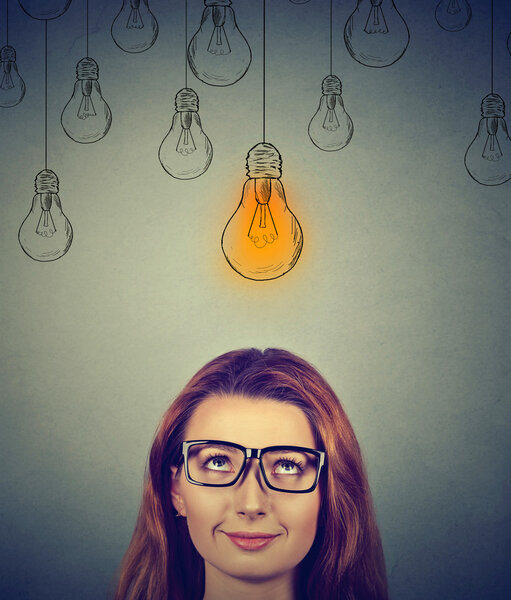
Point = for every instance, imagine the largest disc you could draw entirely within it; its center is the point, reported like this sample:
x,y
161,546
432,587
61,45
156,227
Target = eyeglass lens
x,y
219,464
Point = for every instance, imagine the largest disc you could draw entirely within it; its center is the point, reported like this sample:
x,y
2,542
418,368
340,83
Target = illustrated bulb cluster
x,y
375,34
263,239
453,15
186,151
218,54
331,128
45,9
12,86
134,28
46,234
86,117
488,158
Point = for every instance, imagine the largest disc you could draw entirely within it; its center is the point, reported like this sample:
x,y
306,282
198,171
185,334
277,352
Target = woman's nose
x,y
250,493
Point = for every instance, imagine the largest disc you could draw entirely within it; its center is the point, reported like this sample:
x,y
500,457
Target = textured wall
x,y
399,297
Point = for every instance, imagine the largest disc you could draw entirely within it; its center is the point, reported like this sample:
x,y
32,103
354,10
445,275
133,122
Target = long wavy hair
x,y
345,561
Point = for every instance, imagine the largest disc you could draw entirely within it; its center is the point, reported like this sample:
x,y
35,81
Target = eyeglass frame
x,y
252,453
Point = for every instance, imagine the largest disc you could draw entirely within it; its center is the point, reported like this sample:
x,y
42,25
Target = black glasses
x,y
215,463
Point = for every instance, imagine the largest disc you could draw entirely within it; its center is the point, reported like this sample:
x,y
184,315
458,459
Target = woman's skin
x,y
248,506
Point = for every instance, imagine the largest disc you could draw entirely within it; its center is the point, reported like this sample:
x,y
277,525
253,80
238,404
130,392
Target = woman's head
x,y
325,537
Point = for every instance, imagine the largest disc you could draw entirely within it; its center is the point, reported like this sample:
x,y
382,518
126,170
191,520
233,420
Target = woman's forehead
x,y
251,422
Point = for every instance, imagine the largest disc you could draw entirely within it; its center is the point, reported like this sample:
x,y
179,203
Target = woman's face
x,y
248,507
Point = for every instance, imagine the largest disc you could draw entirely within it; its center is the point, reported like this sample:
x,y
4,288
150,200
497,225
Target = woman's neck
x,y
220,586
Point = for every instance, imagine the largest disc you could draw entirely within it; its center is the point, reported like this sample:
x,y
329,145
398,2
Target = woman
x,y
255,489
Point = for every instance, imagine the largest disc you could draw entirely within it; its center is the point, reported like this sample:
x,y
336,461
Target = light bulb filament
x,y
331,122
219,44
46,225
135,19
262,229
453,7
376,20
86,106
7,83
261,238
492,150
185,144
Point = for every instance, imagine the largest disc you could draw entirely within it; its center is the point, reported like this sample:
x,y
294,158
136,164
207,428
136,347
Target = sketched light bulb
x,y
45,9
375,34
186,151
134,29
331,128
86,117
263,239
12,86
453,15
218,53
488,158
46,234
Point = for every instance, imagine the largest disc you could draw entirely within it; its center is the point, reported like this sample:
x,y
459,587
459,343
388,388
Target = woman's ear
x,y
177,499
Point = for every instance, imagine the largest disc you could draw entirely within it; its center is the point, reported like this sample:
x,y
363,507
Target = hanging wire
x,y
46,94
331,10
186,46
87,25
7,22
264,70
491,20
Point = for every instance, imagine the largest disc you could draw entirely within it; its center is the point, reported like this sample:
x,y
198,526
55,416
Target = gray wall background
x,y
399,297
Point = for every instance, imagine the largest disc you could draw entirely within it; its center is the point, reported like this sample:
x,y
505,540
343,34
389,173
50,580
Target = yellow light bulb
x,y
263,239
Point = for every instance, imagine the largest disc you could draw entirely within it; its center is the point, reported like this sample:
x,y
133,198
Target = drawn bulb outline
x,y
376,34
45,10
331,128
12,86
453,15
135,28
46,233
263,239
218,53
186,152
488,157
86,118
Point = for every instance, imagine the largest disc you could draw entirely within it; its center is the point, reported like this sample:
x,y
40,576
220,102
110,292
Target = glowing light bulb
x,y
488,158
186,151
376,34
12,86
453,15
134,29
86,117
45,9
218,53
46,234
263,239
331,128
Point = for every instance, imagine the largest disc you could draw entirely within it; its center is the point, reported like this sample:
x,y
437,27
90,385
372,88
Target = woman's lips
x,y
250,540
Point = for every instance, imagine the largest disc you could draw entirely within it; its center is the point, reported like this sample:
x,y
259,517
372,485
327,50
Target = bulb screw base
x,y
264,160
187,101
46,182
331,85
492,106
8,53
217,2
87,68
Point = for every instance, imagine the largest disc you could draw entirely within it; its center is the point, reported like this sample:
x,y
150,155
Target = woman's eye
x,y
286,468
218,463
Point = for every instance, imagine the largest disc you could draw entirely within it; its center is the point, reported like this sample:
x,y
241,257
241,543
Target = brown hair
x,y
346,559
